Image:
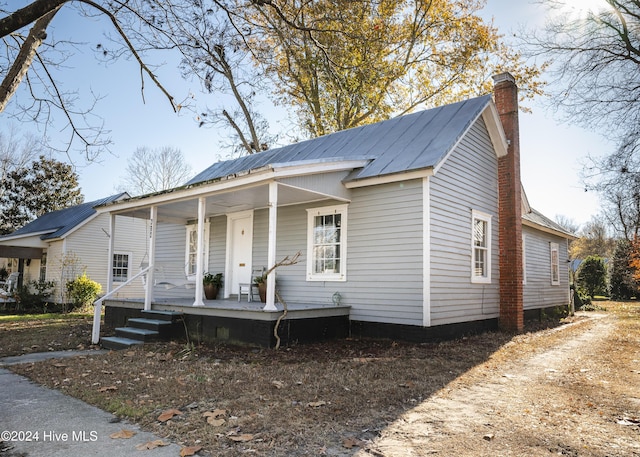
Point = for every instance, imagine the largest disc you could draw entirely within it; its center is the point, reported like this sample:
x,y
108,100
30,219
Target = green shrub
x,y
592,276
83,291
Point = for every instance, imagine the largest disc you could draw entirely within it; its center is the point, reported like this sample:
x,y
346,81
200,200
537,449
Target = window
x,y
327,243
481,248
43,266
191,253
121,267
555,264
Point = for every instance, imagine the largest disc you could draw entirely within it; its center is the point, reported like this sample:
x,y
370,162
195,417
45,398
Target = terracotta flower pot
x,y
262,291
210,291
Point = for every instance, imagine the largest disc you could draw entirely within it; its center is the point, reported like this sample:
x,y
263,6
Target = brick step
x,y
117,343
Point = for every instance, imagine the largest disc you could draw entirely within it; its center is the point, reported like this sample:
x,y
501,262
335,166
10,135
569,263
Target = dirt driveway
x,y
571,390
577,397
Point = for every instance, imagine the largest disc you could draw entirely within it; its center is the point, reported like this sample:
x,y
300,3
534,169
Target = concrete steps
x,y
154,325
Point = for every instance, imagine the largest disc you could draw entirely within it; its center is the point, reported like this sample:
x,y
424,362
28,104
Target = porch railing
x,y
97,305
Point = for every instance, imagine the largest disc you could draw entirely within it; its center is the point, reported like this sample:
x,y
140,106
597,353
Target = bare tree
x,y
596,83
153,170
29,59
16,152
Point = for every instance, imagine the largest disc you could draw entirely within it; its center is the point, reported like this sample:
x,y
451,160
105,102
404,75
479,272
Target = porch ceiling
x,y
225,202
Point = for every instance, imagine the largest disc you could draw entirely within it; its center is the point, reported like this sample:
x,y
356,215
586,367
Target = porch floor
x,y
232,308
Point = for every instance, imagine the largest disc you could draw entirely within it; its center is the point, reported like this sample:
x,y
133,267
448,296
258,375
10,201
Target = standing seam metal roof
x,y
411,142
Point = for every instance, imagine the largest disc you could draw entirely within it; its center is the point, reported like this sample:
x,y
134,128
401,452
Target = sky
x,y
552,153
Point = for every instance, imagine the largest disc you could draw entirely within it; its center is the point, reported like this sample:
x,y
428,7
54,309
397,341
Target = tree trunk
x,y
23,61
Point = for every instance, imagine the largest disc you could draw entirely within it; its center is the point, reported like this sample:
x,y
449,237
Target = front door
x,y
239,250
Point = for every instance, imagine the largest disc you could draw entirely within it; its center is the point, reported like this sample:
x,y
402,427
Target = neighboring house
x,y
410,228
61,245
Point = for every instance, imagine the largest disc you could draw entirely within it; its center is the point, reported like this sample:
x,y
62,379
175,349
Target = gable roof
x,y
56,224
406,143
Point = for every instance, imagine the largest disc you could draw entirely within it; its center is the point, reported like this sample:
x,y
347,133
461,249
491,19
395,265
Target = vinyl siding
x,y
538,290
90,243
384,254
466,181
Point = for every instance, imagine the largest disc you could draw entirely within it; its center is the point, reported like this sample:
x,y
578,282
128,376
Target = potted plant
x,y
212,283
261,282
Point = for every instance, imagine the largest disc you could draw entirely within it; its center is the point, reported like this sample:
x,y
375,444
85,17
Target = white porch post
x,y
112,244
271,249
200,253
148,293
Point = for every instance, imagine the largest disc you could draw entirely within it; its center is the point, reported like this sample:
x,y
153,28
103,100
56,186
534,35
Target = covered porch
x,y
233,249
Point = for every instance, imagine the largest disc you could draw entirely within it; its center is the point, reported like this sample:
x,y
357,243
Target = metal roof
x,y
405,143
543,221
57,223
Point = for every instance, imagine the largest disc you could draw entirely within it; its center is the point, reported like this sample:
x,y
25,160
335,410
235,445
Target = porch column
x,y
112,243
271,248
148,293
200,253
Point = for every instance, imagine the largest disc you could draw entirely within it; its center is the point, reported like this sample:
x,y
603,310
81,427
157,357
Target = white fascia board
x,y
391,178
249,178
546,229
31,240
494,126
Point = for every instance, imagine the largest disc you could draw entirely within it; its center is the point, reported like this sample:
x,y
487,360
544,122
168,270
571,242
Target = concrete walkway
x,y
59,425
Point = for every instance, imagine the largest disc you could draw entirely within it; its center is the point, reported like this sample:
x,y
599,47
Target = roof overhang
x,y
238,192
491,119
20,252
31,240
544,228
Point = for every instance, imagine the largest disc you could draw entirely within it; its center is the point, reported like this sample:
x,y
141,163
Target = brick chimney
x,y
510,211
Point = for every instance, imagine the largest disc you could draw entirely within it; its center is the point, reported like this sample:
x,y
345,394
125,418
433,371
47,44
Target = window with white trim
x,y
481,247
555,263
327,243
191,250
121,266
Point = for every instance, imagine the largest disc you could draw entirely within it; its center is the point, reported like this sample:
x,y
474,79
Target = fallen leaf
x,y
216,417
277,384
168,414
351,442
60,365
189,450
130,354
488,437
241,438
151,445
107,388
316,404
216,422
123,434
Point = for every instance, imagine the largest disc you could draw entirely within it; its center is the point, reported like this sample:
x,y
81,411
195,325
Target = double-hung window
x,y
191,250
555,263
327,243
481,247
121,266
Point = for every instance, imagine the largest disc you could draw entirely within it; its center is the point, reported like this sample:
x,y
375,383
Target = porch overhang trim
x,y
236,181
390,178
33,239
20,252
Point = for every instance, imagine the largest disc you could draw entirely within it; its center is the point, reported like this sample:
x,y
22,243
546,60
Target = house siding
x,y
384,284
538,290
467,181
90,243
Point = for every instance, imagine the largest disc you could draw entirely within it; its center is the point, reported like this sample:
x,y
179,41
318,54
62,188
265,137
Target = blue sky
x,y
552,154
